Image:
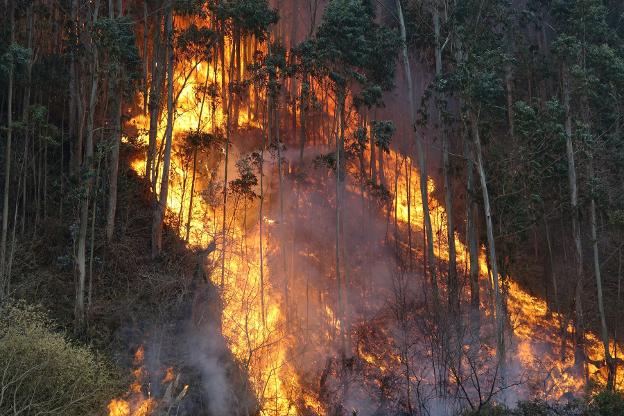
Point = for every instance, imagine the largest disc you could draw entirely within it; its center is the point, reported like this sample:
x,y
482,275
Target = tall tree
x,y
161,198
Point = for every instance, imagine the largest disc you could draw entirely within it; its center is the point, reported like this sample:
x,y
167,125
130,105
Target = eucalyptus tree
x,y
420,151
122,65
351,51
477,79
9,66
588,52
196,143
236,18
161,199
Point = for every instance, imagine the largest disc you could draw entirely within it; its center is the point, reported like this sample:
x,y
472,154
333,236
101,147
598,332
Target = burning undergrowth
x,y
323,295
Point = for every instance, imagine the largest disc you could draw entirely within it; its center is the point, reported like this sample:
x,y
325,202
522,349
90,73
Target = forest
x,y
312,207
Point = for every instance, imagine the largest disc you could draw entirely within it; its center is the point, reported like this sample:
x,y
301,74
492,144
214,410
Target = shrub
x,y
607,403
45,373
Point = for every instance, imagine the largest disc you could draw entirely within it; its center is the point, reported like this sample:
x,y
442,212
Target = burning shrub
x,y
44,372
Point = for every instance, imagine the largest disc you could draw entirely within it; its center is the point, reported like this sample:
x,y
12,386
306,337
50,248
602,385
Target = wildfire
x,y
254,316
536,330
135,403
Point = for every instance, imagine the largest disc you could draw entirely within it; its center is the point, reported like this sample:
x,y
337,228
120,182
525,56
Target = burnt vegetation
x,y
311,207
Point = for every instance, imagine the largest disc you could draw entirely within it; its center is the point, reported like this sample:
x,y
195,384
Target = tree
x,y
122,65
87,169
351,50
478,81
161,199
7,154
420,155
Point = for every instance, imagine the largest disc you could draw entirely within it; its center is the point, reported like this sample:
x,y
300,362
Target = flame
x,y
254,321
135,403
536,330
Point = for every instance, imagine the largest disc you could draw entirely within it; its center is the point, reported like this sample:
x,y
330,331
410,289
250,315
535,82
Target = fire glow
x,y
254,321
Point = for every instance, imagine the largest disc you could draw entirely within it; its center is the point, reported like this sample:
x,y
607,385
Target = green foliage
x,y
247,17
44,372
245,184
608,403
115,37
195,43
201,141
382,131
490,410
351,48
15,55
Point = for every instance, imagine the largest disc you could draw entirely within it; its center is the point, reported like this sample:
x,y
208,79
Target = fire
x,y
118,407
255,315
536,330
135,403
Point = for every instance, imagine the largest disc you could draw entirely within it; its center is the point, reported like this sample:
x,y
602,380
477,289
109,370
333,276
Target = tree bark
x,y
420,153
453,289
7,158
498,299
114,167
473,249
161,200
155,95
604,331
579,350
88,183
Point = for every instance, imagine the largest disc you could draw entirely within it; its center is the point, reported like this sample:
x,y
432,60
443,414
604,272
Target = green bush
x,y
489,410
45,373
608,403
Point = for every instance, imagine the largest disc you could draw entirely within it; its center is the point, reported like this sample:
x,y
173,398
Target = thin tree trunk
x,y
453,288
579,350
473,249
75,112
92,243
145,57
161,200
117,133
261,213
604,332
199,121
421,160
339,185
7,158
155,95
228,128
87,167
280,176
114,166
498,299
303,109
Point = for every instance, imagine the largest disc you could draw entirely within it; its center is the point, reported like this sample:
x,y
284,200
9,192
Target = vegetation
x,y
45,372
312,207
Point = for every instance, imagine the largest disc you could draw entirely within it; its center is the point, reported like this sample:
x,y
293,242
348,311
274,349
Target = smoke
x,y
207,351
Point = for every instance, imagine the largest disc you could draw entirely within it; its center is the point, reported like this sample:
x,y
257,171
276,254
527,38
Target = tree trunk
x,y
420,152
604,332
228,128
498,299
339,227
453,289
161,200
87,186
75,110
7,158
473,249
114,166
579,350
155,95
303,109
190,210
